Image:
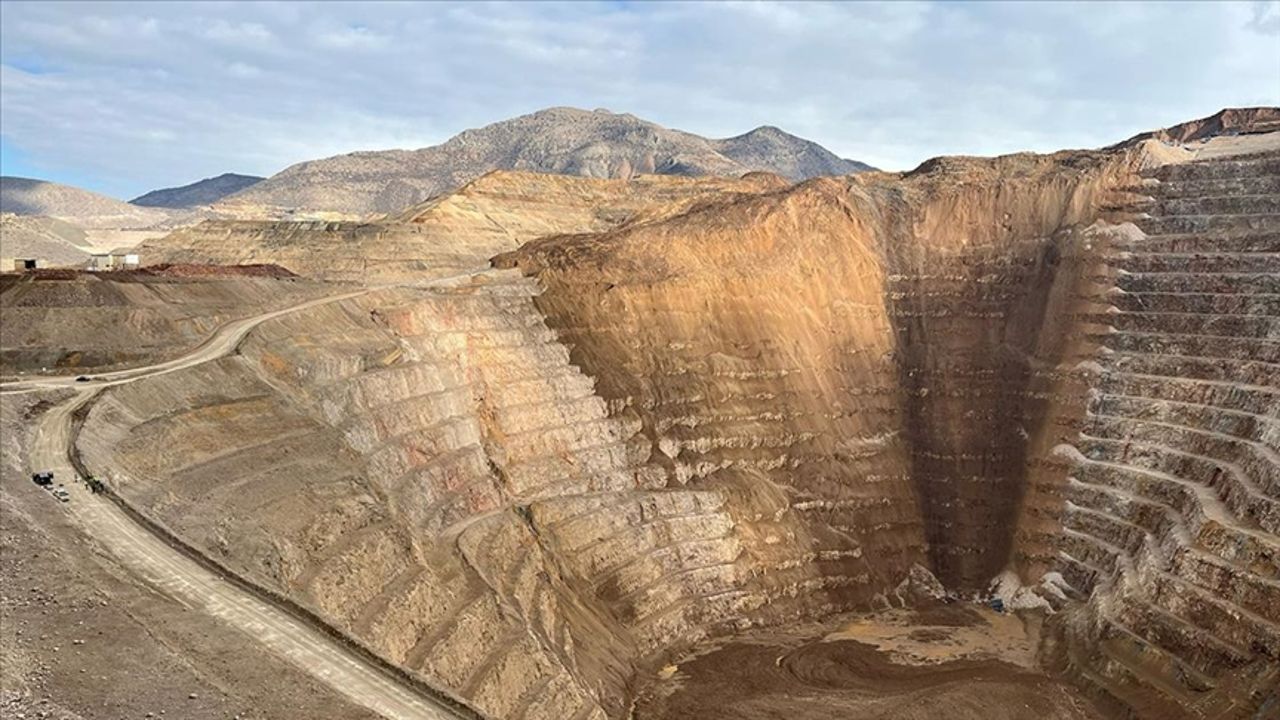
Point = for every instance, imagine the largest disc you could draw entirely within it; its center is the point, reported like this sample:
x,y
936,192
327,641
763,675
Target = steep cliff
x,y
692,410
448,234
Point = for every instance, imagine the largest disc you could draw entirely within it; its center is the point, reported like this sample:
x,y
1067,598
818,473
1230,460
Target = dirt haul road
x,y
188,581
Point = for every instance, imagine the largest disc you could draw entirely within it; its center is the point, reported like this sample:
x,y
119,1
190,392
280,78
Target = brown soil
x,y
161,270
80,637
815,676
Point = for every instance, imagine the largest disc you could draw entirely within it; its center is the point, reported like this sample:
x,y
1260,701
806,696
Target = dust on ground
x,y
947,633
80,637
949,661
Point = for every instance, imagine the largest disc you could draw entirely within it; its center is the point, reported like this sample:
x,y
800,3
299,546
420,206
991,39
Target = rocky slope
x,y
55,241
1170,518
567,141
528,514
197,194
69,322
24,196
1229,121
462,230
904,362
697,408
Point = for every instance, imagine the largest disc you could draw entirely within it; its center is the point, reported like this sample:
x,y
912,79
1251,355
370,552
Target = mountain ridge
x,y
202,192
88,209
558,140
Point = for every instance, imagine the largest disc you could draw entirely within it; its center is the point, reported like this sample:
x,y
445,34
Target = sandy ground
x,y
954,662
1227,146
80,637
102,240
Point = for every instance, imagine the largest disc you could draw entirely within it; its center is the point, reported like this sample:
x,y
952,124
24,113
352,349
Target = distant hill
x,y
560,140
54,241
84,208
771,149
197,194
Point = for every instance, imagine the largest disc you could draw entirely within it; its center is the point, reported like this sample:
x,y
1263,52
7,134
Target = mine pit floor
x,y
947,661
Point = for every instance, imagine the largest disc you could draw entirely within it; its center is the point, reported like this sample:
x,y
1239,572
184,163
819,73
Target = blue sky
x,y
126,97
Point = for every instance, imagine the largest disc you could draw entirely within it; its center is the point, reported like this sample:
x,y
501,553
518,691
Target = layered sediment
x,y
1171,515
702,408
450,233
73,321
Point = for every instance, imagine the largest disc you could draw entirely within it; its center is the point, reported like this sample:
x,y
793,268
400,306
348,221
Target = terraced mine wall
x,y
526,485
451,233
1171,514
386,454
1036,392
428,472
68,321
861,361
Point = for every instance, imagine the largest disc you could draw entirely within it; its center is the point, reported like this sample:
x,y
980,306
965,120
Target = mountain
x,y
197,194
560,140
769,148
87,209
56,242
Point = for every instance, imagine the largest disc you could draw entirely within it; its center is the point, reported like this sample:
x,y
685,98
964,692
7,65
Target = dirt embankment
x,y
451,233
973,671
67,321
81,638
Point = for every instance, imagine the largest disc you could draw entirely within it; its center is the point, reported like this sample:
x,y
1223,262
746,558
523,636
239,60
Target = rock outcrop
x,y
1171,515
451,233
65,321
694,407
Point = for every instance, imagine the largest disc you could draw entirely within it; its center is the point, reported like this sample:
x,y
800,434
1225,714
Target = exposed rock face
x,y
204,192
864,348
568,141
726,405
1231,121
451,233
24,196
984,316
1171,515
416,472
66,321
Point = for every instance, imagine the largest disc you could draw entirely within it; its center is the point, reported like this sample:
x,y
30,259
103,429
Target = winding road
x,y
191,583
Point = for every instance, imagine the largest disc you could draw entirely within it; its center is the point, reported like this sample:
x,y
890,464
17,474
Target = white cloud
x,y
243,70
352,38
248,33
140,95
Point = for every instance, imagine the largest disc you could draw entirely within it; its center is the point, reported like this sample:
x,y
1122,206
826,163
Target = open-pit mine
x,y
992,438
